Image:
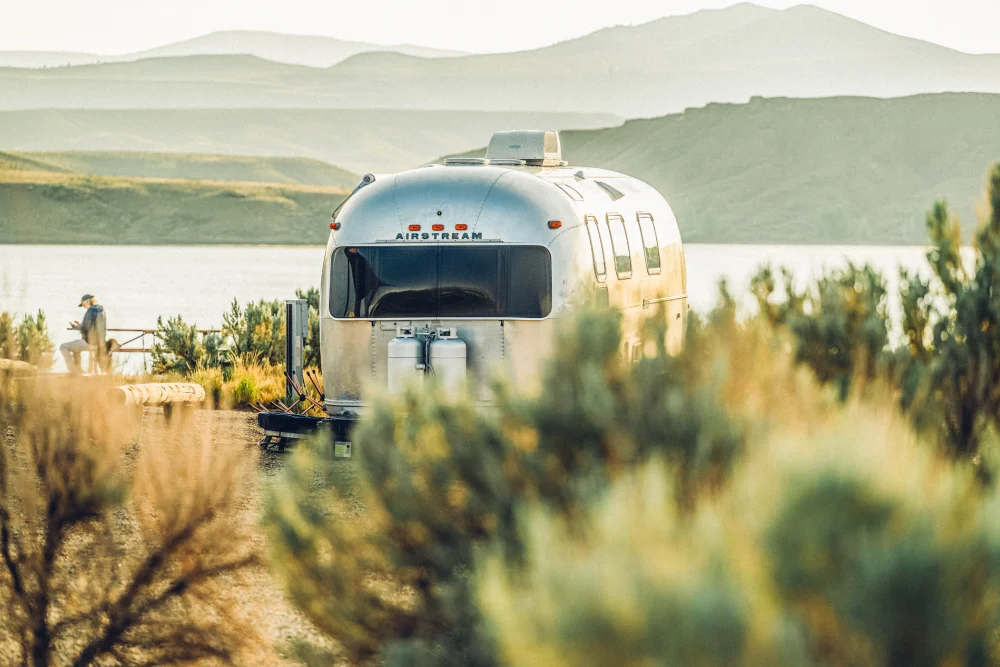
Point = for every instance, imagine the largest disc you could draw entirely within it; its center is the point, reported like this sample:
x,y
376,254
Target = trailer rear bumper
x,y
282,429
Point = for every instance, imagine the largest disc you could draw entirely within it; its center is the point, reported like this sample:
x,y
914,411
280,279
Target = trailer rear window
x,y
369,282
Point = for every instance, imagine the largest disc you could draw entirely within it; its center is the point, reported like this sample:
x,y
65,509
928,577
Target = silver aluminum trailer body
x,y
405,242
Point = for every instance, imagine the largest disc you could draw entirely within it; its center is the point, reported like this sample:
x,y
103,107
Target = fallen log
x,y
159,394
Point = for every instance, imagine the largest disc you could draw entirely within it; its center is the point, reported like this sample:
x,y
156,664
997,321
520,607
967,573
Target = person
x,y
93,331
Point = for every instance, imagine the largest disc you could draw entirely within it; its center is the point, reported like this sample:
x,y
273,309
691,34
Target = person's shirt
x,y
94,327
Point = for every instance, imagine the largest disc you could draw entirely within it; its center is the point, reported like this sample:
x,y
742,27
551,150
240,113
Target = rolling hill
x,y
824,171
311,50
50,207
46,58
668,65
359,141
299,171
828,171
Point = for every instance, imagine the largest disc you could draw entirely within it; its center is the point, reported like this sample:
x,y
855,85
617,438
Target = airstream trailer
x,y
464,269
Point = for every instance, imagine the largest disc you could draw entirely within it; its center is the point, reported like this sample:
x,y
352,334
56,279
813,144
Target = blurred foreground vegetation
x,y
112,554
802,486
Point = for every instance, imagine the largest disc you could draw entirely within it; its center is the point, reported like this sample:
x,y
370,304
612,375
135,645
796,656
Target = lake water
x,y
138,283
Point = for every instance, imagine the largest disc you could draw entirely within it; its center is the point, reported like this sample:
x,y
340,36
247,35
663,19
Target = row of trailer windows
x,y
612,230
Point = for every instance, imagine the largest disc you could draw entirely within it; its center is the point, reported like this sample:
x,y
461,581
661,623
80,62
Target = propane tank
x,y
406,360
448,355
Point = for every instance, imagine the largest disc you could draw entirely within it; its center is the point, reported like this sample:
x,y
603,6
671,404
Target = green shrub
x,y
26,340
179,348
257,329
253,381
442,479
956,387
946,370
245,390
848,544
839,323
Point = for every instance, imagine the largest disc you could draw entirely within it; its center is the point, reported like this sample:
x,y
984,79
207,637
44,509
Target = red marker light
x,y
414,228
437,228
461,228
555,224
335,225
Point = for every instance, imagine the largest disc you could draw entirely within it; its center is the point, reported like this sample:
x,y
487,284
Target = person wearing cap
x,y
93,331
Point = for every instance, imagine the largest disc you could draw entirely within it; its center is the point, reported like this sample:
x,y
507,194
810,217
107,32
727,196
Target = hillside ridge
x,y
648,70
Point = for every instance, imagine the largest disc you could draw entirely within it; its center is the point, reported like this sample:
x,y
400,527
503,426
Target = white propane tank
x,y
448,361
406,360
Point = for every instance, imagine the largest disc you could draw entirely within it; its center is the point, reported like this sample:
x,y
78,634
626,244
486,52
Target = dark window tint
x,y
650,243
528,282
596,248
469,283
440,281
619,244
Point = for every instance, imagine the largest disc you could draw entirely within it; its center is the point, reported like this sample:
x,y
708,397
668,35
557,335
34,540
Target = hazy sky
x,y
118,26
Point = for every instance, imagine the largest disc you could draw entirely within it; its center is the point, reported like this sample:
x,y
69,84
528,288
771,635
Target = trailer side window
x,y
597,249
619,244
650,243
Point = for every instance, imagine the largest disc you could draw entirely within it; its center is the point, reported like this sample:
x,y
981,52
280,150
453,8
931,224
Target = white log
x,y
17,367
160,394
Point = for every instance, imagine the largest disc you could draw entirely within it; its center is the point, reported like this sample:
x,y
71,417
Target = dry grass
x,y
251,382
116,554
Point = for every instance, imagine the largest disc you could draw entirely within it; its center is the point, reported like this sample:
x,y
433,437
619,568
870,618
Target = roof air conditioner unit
x,y
538,148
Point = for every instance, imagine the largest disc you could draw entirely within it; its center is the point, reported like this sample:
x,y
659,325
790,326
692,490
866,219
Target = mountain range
x,y
665,66
358,140
309,50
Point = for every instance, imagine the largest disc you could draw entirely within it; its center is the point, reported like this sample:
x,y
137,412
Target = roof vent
x,y
466,162
507,162
612,192
537,148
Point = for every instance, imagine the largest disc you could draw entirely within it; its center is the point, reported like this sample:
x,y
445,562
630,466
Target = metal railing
x,y
142,333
